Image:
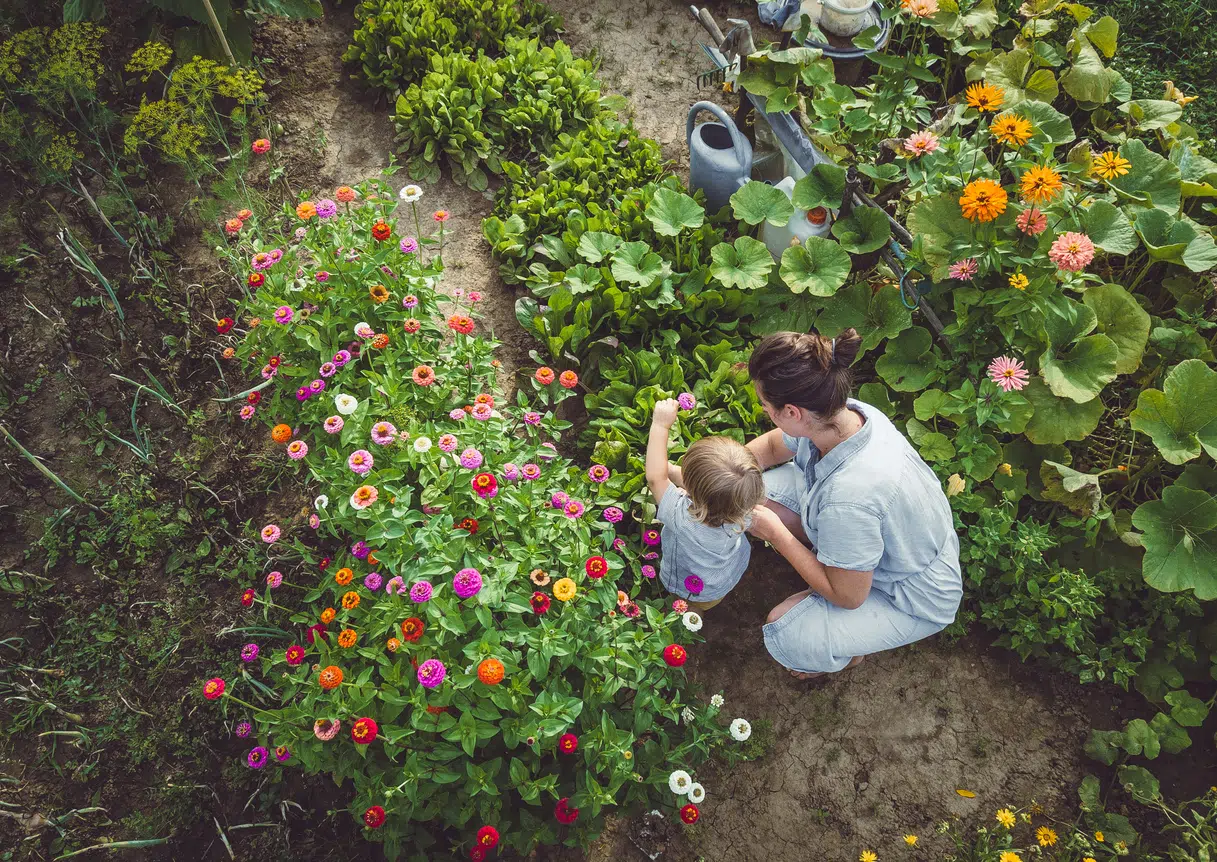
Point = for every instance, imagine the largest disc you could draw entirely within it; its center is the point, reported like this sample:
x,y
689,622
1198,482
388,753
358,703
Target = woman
x,y
883,561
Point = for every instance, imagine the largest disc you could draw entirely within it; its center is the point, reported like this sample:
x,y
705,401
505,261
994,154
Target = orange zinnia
x,y
350,600
1040,184
372,561
985,97
392,644
346,638
330,677
306,210
343,576
327,615
281,433
982,200
490,671
1011,129
378,292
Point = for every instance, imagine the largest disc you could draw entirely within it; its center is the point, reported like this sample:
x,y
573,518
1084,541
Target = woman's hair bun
x,y
845,348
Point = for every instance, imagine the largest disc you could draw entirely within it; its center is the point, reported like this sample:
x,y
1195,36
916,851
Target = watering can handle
x,y
738,141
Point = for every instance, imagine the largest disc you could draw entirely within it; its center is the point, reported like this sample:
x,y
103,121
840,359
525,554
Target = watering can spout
x,y
720,157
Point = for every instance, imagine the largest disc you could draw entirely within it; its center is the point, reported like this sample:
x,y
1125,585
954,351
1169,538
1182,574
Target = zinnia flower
x,y
257,757
411,325
364,496
271,533
1008,373
540,603
482,412
985,97
249,652
544,375
1018,281
282,754
574,509
1011,129
697,793
412,629
421,591
422,444
346,404
982,200
297,449
345,194
686,400
441,216
596,567
532,418
305,210
679,782
648,571
466,583
213,688
1110,166
922,8
471,458
568,379
964,270
410,193
372,581
921,143
448,442
674,655
1072,251
330,677
408,245
431,673
374,817
689,814
598,473
485,485
539,577
333,424
243,729
488,837
650,536
1040,184
260,146
274,579
564,589
694,584
424,375
294,655
461,323
564,813
378,292
1032,221
692,621
383,433
612,514
381,231
326,208
740,730
284,314
364,731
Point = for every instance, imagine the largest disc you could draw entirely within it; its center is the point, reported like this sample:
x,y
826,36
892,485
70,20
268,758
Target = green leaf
x,y
1078,492
1173,738
818,266
1155,678
1047,122
1139,739
1104,746
876,315
938,223
1180,544
1108,228
1123,320
1181,418
672,212
1088,794
934,446
1177,241
908,363
1087,80
1057,420
865,229
194,9
876,395
1082,370
286,8
75,11
1140,782
1151,181
635,263
1150,114
758,202
745,265
1103,34
594,246
1199,174
823,187
1009,70
1187,710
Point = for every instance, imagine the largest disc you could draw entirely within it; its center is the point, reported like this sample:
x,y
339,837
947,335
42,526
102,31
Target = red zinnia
x,y
253,397
380,341
470,525
596,567
412,629
374,817
317,631
540,603
247,598
256,279
381,231
689,814
568,743
488,837
485,485
412,325
563,812
224,324
294,654
213,688
675,655
244,214
364,730
274,361
324,564
477,854
460,323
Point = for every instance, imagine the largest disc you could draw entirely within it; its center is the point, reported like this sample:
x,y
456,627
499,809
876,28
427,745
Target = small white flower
x,y
410,193
321,502
346,404
422,444
679,782
687,716
697,793
717,701
364,329
692,621
740,729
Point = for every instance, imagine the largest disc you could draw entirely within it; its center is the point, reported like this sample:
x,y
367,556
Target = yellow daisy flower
x,y
1045,836
1040,184
1018,281
1011,129
868,856
985,97
910,840
1110,165
1005,817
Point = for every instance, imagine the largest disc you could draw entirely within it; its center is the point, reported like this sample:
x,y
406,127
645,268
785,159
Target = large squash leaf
x,y
758,202
1057,420
1180,541
671,212
818,266
1123,320
745,265
1181,418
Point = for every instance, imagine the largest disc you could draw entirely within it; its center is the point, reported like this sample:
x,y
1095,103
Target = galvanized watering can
x,y
720,158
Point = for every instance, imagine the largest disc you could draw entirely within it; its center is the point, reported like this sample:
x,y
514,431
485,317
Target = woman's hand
x,y
767,525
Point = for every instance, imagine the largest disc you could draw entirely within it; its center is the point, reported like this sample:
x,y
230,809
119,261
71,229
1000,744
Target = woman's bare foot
x,y
853,662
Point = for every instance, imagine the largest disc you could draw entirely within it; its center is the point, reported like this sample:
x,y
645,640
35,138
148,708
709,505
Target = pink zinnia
x,y
1072,251
1032,222
574,509
271,533
334,424
284,314
598,473
532,418
457,415
613,515
383,433
482,412
297,449
247,412
448,443
467,582
680,606
360,461
1008,373
965,270
530,472
431,673
274,579
921,143
471,459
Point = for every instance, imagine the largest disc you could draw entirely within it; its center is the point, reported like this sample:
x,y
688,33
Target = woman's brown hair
x,y
805,369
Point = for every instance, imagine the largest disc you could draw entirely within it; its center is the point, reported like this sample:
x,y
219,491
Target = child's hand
x,y
665,413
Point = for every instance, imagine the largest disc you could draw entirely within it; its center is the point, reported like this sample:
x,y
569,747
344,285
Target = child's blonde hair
x,y
723,479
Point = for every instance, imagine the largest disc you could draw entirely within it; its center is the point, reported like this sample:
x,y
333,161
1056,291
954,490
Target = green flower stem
x,y
236,699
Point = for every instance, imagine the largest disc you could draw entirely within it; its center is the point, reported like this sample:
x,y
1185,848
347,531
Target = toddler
x,y
705,505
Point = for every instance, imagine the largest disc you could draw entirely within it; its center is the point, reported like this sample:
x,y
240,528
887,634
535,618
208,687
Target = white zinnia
x,y
717,701
687,716
740,729
692,621
422,444
410,193
321,502
697,793
679,782
346,404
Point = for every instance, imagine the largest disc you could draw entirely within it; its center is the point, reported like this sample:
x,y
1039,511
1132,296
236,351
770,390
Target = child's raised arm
x,y
657,447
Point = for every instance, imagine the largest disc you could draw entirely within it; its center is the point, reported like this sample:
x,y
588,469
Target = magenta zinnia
x,y
431,673
1008,373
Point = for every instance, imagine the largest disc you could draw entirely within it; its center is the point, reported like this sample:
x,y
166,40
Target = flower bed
x,y
455,626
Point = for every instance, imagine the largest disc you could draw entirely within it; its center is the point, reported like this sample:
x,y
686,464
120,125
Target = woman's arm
x,y
769,449
843,587
657,447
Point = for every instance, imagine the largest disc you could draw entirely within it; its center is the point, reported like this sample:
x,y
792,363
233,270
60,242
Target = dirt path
x,y
856,762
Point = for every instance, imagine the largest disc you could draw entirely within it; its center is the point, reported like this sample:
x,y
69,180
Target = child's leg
x,y
702,607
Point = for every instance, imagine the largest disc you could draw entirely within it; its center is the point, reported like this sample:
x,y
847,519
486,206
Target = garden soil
x,y
855,761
